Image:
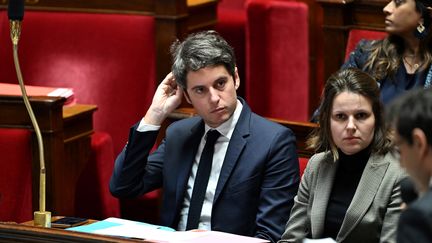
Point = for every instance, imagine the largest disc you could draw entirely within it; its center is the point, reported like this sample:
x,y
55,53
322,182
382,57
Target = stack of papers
x,y
325,240
15,90
156,233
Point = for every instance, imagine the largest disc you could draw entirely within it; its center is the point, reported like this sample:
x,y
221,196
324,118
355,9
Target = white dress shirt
x,y
226,130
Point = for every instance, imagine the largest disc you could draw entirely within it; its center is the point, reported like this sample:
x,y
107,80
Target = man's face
x,y
212,92
409,159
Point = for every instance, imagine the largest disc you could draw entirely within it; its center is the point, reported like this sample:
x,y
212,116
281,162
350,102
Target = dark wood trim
x,y
339,17
11,232
66,138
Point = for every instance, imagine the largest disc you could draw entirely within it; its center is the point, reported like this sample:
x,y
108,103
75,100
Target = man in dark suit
x,y
253,175
411,116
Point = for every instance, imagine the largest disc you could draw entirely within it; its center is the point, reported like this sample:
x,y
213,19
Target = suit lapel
x,y
186,161
236,145
364,195
322,192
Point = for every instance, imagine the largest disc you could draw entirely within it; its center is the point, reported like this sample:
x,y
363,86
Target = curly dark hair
x,y
386,55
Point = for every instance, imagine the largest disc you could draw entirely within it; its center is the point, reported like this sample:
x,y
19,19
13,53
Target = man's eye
x,y
398,2
199,90
220,84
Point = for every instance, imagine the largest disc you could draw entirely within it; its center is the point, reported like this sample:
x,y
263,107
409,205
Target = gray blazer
x,y
374,210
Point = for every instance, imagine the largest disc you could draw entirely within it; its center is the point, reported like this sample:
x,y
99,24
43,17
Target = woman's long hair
x,y
354,81
386,55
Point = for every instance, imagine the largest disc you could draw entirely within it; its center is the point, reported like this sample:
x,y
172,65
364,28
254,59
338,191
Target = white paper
x,y
325,240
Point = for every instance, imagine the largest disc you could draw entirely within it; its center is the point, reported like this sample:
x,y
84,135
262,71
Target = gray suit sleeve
x,y
388,231
298,225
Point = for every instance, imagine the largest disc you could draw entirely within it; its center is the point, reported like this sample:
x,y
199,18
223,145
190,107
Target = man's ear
x,y
186,95
236,78
420,142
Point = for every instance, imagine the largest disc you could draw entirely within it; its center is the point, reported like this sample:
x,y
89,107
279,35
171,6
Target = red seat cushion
x,y
15,175
108,60
92,185
302,164
355,35
232,4
277,51
231,25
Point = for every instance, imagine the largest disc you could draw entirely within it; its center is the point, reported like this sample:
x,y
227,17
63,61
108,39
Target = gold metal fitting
x,y
15,30
42,219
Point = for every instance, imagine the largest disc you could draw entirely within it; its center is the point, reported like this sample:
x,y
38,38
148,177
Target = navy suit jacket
x,y
415,223
257,183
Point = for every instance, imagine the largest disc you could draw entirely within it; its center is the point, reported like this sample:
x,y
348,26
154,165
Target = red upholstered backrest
x,y
16,155
277,63
231,25
94,179
232,4
302,164
15,175
355,35
108,59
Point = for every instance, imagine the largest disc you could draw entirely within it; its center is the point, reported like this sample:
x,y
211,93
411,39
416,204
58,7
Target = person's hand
x,y
167,98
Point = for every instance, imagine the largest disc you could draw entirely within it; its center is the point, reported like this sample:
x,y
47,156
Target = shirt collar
x,y
226,129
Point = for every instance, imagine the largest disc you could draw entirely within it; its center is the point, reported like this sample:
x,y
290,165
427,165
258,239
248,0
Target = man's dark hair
x,y
200,50
412,110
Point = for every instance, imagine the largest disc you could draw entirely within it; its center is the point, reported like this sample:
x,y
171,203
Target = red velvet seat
x,y
15,175
108,60
302,164
277,59
231,25
355,35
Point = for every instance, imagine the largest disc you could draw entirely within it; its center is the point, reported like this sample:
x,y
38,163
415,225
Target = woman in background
x,y
350,189
403,59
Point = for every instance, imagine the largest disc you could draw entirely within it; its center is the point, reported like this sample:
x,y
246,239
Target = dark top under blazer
x,y
257,183
389,87
373,213
415,224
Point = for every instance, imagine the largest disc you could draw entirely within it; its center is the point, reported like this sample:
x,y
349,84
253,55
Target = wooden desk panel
x,y
66,137
11,232
339,17
115,6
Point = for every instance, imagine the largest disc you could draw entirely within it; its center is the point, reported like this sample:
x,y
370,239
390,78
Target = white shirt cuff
x,y
144,127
